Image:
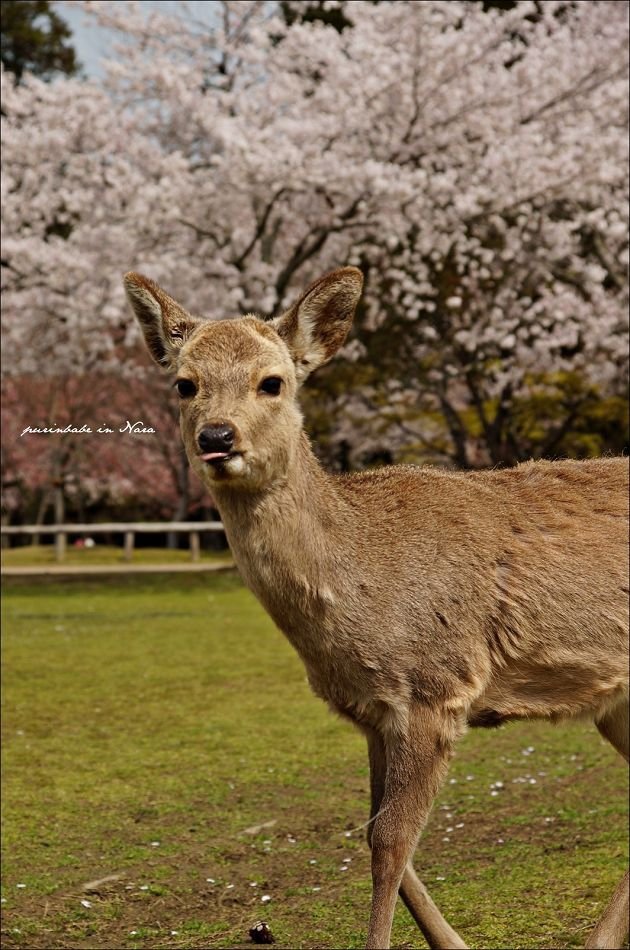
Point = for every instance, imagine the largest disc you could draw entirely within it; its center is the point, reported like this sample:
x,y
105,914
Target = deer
x,y
422,601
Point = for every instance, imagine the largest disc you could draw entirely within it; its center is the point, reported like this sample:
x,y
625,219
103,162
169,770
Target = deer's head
x,y
237,380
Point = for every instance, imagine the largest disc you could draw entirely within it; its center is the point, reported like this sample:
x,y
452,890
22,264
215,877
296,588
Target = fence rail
x,y
128,529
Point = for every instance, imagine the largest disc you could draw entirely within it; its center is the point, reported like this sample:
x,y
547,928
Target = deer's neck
x,y
286,540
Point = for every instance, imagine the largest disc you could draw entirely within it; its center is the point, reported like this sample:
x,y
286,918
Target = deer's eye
x,y
271,386
186,388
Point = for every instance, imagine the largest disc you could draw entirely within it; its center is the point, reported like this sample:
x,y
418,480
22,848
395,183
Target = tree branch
x,y
259,231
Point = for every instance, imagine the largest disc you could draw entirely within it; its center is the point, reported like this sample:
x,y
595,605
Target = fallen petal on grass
x,y
95,886
256,829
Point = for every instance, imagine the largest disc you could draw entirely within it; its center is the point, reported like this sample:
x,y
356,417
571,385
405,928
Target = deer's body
x,y
419,600
481,629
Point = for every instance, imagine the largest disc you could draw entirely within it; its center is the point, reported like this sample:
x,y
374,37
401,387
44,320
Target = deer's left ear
x,y
164,323
318,323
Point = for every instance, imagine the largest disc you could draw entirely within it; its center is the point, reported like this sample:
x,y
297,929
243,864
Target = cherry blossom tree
x,y
89,466
472,162
72,172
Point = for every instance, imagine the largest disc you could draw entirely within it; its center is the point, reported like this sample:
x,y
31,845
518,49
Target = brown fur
x,y
419,600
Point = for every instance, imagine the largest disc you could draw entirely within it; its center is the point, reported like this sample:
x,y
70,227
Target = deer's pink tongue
x,y
209,456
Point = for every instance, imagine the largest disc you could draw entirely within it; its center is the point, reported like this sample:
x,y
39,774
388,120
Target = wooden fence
x,y
128,530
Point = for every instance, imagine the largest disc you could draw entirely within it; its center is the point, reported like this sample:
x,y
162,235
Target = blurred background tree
x,y
471,158
35,38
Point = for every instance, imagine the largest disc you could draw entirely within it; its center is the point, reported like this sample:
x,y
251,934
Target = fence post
x,y
194,545
60,545
129,539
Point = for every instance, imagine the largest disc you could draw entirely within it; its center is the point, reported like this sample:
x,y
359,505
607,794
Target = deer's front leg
x,y
437,931
415,766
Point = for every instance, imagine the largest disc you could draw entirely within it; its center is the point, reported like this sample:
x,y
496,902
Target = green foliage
x,y
564,418
35,38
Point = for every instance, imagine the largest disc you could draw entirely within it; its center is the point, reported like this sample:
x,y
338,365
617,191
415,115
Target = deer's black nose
x,y
219,438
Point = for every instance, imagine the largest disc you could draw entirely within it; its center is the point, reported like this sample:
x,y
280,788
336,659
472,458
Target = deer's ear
x,y
164,323
318,323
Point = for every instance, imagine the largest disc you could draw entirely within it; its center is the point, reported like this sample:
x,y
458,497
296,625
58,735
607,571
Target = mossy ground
x,y
149,722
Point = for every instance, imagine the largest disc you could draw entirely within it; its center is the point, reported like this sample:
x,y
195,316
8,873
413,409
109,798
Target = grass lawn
x,y
151,723
30,555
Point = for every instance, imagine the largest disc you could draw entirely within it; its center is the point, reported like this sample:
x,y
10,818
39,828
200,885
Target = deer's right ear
x,y
164,323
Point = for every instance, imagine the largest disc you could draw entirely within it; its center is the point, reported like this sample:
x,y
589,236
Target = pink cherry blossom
x,y
473,164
